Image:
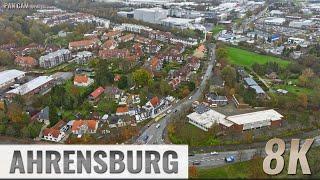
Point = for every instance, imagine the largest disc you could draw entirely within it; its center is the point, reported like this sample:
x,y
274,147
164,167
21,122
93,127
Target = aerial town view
x,y
221,76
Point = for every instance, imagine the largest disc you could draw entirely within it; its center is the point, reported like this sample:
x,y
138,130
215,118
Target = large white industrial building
x,y
152,15
9,77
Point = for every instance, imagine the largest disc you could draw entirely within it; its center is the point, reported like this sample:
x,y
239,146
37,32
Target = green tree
x,y
36,34
123,83
142,77
221,53
229,75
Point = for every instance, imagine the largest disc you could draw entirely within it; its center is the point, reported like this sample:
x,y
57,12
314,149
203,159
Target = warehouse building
x,y
152,15
39,85
9,77
206,118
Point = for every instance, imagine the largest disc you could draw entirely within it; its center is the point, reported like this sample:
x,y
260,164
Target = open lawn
x,y
295,89
192,135
246,58
217,29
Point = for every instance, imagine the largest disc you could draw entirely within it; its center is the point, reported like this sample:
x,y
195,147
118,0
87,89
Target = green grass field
x,y
246,58
217,29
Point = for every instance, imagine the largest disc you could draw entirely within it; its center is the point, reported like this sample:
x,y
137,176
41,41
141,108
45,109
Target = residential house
x,y
113,93
80,127
55,58
82,80
126,38
155,64
115,121
26,61
83,57
215,99
95,95
122,110
42,116
110,44
142,40
153,107
55,133
86,44
114,53
111,35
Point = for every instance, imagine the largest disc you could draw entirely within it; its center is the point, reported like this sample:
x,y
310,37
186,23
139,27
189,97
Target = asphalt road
x,y
208,160
155,135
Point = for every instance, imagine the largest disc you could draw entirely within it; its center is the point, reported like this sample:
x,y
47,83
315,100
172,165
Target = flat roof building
x,y
8,77
241,122
33,86
150,15
177,22
275,21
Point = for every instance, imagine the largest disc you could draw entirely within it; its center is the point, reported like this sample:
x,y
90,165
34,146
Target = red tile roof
x,y
83,43
109,43
81,78
122,109
26,60
54,132
78,123
155,101
97,92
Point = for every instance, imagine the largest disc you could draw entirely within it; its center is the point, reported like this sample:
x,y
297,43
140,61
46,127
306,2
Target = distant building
x,y
83,44
55,58
275,21
150,15
83,57
180,23
250,83
122,110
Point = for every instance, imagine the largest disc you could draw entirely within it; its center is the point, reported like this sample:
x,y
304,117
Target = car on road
x,y
158,125
229,159
176,110
196,163
214,153
190,97
191,154
145,138
169,111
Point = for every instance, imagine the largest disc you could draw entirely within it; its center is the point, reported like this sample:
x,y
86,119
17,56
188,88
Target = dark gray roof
x,y
201,108
44,113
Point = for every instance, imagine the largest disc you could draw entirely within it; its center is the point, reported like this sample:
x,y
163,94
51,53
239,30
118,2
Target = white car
x,y
214,153
190,97
169,111
158,125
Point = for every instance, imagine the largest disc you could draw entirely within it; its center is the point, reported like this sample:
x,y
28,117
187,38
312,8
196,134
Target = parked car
x,y
229,159
146,137
191,154
196,163
214,153
169,111
158,125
